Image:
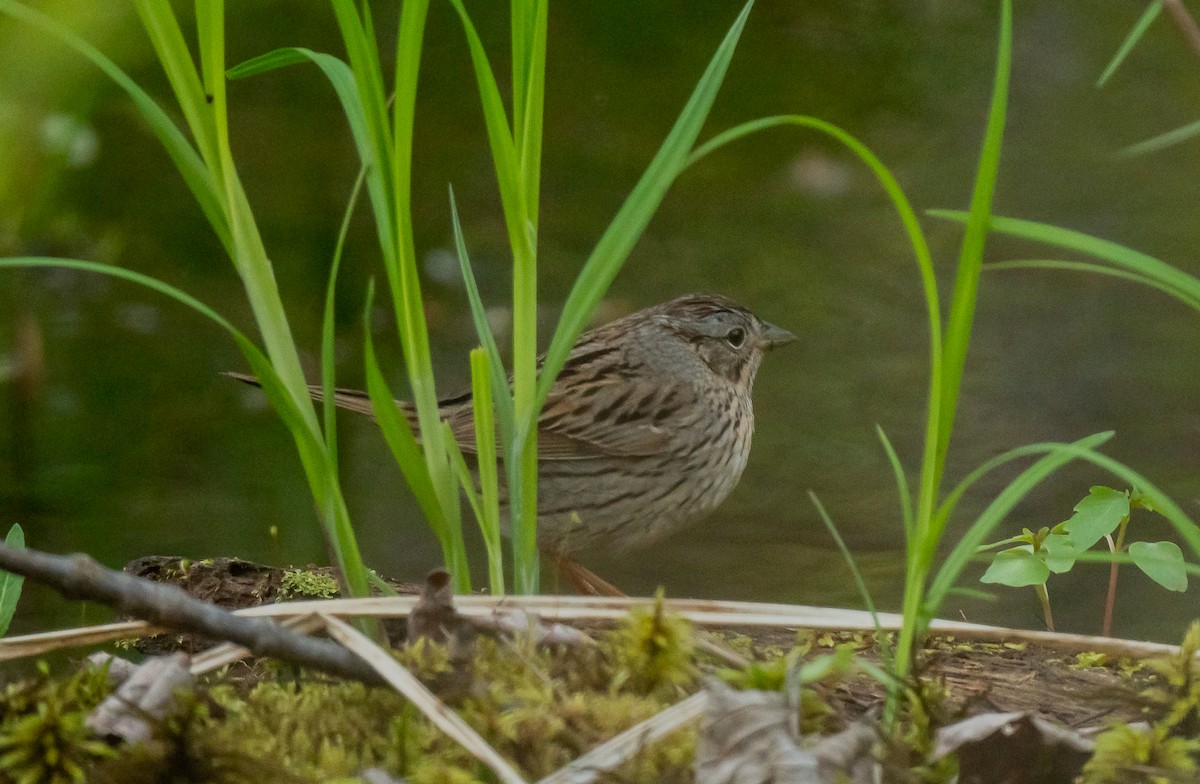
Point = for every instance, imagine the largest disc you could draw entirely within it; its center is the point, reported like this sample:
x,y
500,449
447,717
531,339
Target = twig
x,y
1186,24
80,577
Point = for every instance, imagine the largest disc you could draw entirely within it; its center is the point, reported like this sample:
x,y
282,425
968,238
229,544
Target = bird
x,y
646,430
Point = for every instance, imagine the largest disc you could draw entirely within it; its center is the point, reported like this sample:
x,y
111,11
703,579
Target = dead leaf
x,y
745,738
143,700
1013,748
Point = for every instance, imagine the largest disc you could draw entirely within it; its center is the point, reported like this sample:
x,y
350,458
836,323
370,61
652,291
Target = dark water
x,y
135,445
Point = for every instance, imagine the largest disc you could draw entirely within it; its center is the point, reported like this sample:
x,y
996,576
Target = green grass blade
x,y
529,97
164,32
363,53
405,449
401,264
328,363
619,238
1139,29
1097,269
270,61
483,328
195,174
489,483
950,502
346,87
1108,556
979,531
1112,252
456,558
859,581
890,185
10,584
906,509
521,451
970,262
1162,141
500,140
920,246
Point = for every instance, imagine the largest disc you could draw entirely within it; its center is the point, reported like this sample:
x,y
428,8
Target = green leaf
x,y
1162,141
1097,516
1099,269
1176,281
1017,568
1139,29
488,513
822,667
407,453
964,550
906,509
859,581
1059,553
270,61
1162,562
10,584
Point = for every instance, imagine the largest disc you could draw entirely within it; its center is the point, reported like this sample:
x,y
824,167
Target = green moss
x,y
1089,659
1168,750
1123,754
42,735
653,650
538,708
298,583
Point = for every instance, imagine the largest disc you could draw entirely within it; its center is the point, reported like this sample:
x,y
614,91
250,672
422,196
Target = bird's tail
x,y
349,399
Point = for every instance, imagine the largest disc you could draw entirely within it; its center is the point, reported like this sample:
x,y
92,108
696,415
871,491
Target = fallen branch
x,y
81,577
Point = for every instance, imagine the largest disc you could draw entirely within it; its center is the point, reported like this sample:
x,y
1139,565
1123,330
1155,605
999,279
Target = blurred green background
x,y
131,443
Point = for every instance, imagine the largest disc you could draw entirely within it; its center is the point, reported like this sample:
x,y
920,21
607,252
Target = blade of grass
x,y
906,509
1162,141
529,96
346,87
863,591
456,561
948,504
1135,34
328,375
970,262
940,422
483,328
1112,252
485,449
521,223
1097,269
407,452
1108,557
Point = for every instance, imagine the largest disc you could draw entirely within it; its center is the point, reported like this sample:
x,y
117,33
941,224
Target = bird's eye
x,y
736,337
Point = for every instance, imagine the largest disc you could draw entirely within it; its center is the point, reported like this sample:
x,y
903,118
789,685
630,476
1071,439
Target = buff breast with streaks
x,y
647,428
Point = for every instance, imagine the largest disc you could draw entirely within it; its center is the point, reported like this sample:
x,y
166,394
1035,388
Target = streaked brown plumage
x,y
647,428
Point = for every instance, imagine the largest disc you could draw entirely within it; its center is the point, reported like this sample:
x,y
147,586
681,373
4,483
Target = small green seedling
x,y
10,584
1035,555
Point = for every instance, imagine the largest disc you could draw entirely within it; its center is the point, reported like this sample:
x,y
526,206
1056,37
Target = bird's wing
x,y
615,418
612,421
598,408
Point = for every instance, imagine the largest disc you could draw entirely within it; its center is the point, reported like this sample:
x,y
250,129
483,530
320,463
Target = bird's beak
x,y
774,336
